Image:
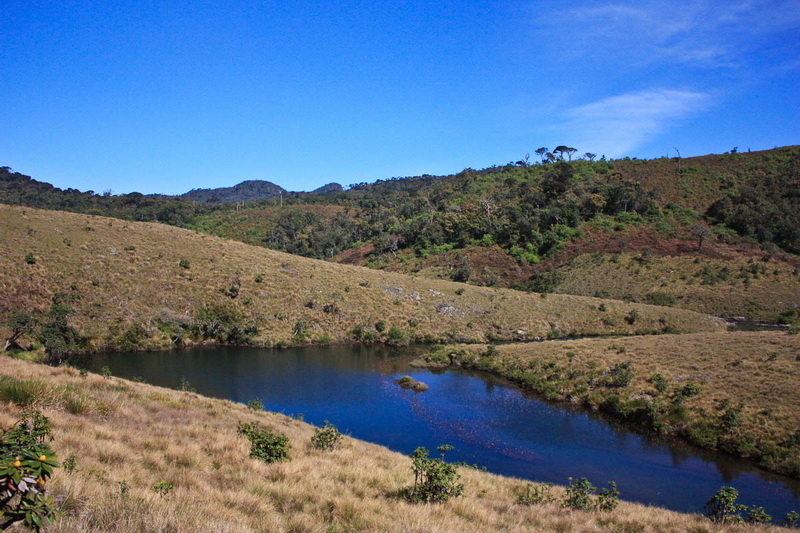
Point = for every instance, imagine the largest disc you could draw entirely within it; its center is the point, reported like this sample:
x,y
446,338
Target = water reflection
x,y
489,422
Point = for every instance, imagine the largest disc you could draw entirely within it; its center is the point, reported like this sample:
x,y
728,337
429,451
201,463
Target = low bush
x,y
660,298
579,494
536,493
265,445
255,405
396,337
722,507
435,481
326,438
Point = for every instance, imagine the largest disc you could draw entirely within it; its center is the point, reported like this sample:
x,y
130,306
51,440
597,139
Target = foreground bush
x,y
434,480
26,463
265,445
580,494
327,437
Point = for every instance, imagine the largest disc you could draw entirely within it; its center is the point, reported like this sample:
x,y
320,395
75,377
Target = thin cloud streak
x,y
617,125
702,33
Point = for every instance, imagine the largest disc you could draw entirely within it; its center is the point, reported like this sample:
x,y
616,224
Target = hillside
x,y
731,278
744,398
126,437
540,228
246,191
138,285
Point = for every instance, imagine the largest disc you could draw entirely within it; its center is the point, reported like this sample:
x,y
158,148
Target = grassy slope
x,y
696,282
697,182
123,273
758,369
633,264
132,432
721,278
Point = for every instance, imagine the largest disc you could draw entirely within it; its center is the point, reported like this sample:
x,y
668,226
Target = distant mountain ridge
x,y
248,191
245,191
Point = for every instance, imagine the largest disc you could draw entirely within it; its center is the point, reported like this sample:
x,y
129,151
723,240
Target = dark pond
x,y
489,422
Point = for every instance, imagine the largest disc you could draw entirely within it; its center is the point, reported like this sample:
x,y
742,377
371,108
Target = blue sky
x,y
156,96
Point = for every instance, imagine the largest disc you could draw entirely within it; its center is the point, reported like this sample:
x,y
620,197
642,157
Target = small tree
x,y
434,480
608,499
579,494
265,445
722,507
20,323
58,337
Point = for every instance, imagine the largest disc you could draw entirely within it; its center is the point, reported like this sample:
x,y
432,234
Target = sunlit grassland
x,y
141,435
736,284
119,274
746,401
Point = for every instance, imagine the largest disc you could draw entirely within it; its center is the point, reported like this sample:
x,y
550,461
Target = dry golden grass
x,y
122,273
773,290
760,370
141,435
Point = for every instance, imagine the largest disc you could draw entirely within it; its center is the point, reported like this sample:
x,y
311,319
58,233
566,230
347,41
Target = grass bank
x,y
143,285
127,437
735,391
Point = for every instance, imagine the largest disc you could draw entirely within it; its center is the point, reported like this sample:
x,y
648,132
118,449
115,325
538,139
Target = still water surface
x,y
490,422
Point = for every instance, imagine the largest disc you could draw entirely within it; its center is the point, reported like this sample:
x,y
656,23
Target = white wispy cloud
x,y
617,125
699,32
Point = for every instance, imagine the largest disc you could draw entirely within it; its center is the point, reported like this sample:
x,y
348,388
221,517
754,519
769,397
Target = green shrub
x,y
757,515
660,298
722,507
265,445
30,259
579,494
608,499
792,519
224,322
162,488
328,437
687,391
536,493
491,351
26,463
396,337
434,480
57,336
255,405
659,382
133,337
69,464
620,375
124,489
184,263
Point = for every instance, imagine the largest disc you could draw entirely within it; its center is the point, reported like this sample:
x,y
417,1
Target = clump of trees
x,y
765,208
51,329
